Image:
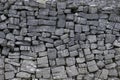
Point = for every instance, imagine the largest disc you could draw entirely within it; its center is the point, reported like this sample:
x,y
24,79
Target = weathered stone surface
x,y
9,75
72,71
92,38
52,53
23,75
92,67
59,72
42,62
45,73
28,66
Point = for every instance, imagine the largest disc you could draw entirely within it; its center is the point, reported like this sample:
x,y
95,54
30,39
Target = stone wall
x,y
62,40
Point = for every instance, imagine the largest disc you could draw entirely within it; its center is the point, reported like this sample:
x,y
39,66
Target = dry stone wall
x,y
62,40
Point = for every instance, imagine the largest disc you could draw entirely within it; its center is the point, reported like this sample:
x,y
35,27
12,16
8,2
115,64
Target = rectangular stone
x,y
9,75
78,28
61,23
31,66
92,38
47,22
74,53
38,48
23,75
92,16
85,28
60,61
52,53
45,73
70,61
42,29
42,62
92,66
63,53
32,22
72,71
104,74
59,72
70,25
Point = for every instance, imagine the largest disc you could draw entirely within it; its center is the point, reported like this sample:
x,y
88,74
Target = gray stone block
x,y
70,61
74,53
70,25
23,75
72,71
59,72
3,17
61,5
85,28
80,60
45,73
52,53
63,53
104,74
92,16
42,61
38,48
60,61
61,23
9,75
59,32
92,66
10,36
92,38
78,28
28,66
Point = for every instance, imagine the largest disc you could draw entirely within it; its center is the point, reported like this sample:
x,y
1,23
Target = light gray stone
x,y
104,74
60,61
9,75
72,71
70,61
42,61
63,53
38,48
92,66
23,75
59,72
44,72
92,38
52,53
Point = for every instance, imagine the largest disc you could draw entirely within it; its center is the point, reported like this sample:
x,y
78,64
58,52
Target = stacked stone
x,y
62,40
